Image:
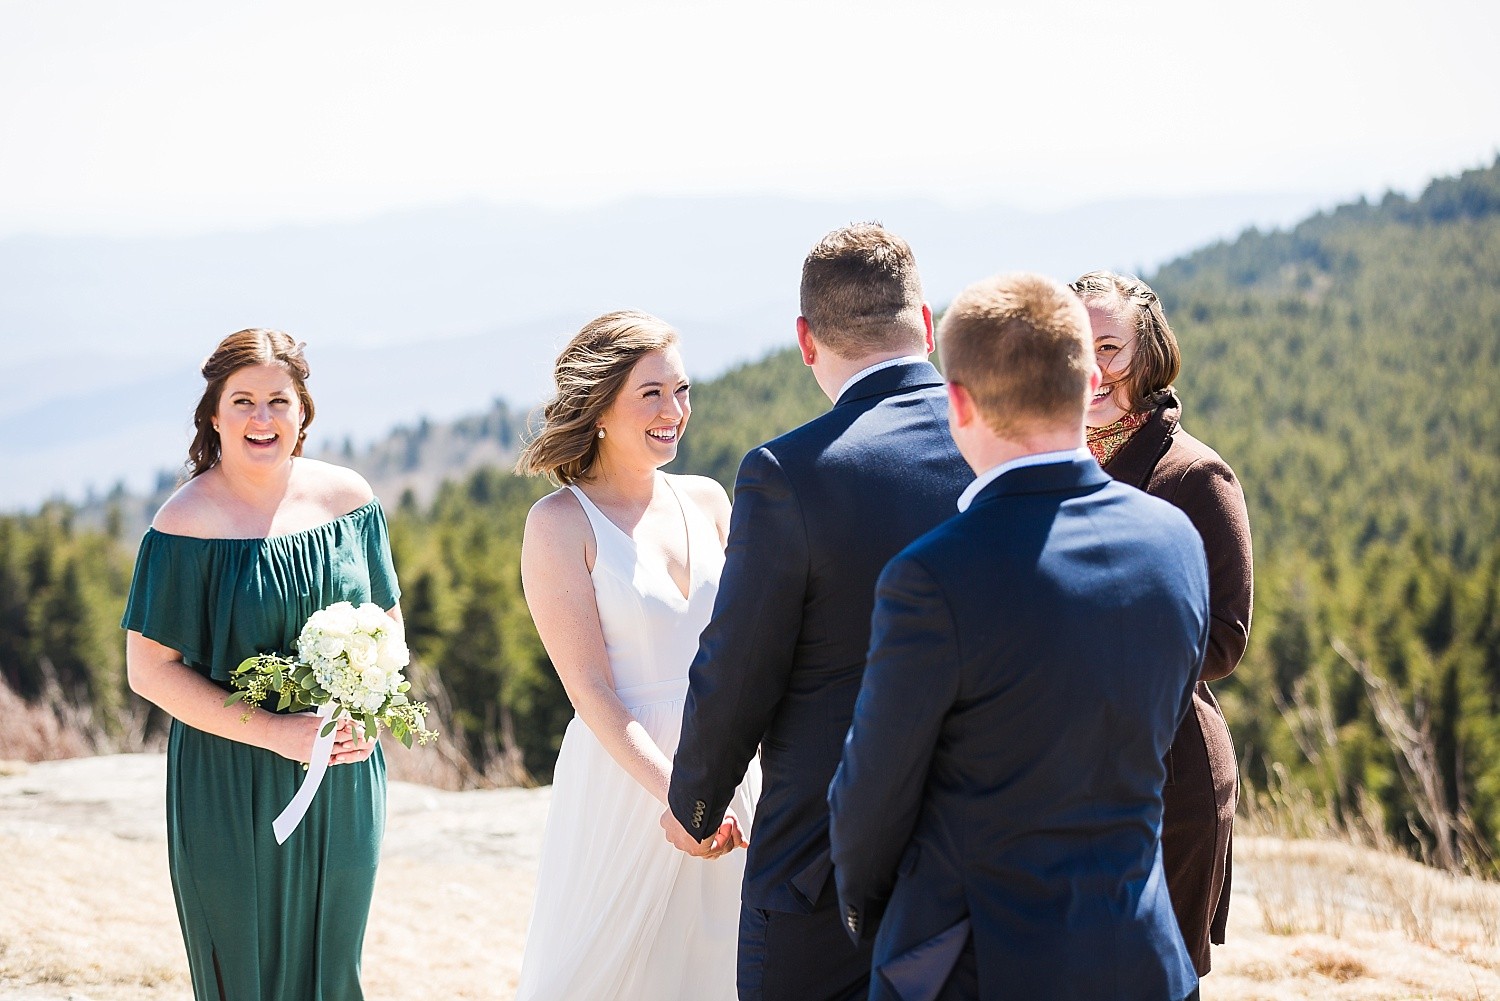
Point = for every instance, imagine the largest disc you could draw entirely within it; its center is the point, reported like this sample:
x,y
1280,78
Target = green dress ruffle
x,y
262,921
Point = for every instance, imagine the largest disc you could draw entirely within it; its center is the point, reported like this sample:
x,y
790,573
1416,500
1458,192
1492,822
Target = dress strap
x,y
589,507
613,547
700,527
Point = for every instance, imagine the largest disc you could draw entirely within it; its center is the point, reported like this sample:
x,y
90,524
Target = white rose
x,y
392,654
361,650
323,626
373,701
371,618
373,678
338,618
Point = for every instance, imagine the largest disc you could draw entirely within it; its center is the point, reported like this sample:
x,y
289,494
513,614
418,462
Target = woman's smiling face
x,y
1114,347
646,420
259,418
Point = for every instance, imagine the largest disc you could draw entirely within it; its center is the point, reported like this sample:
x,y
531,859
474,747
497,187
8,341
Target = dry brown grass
x,y
86,908
1328,919
51,727
1339,966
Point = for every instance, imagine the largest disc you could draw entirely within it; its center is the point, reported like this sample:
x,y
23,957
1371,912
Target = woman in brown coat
x,y
1136,435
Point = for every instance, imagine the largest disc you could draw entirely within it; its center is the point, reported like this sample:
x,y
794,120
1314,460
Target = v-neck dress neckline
x,y
596,514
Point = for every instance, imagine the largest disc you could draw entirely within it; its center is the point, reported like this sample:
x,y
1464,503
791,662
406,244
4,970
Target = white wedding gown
x,y
619,912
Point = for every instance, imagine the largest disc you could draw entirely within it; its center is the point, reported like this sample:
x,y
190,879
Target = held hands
x,y
723,841
350,745
294,735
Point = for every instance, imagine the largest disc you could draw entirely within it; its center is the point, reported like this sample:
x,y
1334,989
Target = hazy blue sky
x,y
179,115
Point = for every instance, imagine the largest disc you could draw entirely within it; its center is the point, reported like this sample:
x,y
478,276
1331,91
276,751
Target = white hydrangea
x,y
356,654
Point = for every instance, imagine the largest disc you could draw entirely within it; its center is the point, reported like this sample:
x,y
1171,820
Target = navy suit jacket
x,y
1001,785
817,513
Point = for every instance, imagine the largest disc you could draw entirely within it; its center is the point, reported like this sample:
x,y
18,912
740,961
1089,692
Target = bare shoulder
x,y
705,491
556,519
557,545
708,494
189,511
338,489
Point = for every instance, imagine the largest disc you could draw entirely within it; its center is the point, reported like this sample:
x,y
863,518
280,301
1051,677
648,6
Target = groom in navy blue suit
x,y
996,815
817,513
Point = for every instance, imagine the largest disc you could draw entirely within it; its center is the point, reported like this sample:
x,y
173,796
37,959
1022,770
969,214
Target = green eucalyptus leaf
x,y
236,697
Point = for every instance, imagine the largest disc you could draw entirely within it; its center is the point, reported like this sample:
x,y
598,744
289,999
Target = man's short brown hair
x,y
1021,345
861,292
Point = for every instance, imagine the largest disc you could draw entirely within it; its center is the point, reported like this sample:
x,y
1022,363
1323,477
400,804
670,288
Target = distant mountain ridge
x,y
434,313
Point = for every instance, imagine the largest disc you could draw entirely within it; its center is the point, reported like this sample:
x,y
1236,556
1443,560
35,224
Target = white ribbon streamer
x,y
285,824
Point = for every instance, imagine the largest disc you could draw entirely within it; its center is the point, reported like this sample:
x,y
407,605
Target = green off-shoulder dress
x,y
262,921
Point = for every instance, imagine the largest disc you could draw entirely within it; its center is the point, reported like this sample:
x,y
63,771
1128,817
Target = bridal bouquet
x,y
348,665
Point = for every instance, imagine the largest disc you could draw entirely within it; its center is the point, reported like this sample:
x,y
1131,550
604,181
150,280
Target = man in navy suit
x,y
996,816
817,513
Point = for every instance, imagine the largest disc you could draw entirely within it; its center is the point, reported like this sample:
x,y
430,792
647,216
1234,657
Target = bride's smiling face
x,y
646,421
259,418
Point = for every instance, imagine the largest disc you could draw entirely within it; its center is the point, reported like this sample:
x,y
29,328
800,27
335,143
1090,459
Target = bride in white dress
x,y
620,568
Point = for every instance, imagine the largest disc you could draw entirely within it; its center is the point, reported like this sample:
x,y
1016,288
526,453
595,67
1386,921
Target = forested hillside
x,y
1344,368
1347,370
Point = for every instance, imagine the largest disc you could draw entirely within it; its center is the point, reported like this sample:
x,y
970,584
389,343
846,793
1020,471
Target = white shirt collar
x,y
1035,459
888,363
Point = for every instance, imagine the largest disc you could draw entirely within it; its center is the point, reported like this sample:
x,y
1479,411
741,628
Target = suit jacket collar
x,y
1136,459
912,375
1080,474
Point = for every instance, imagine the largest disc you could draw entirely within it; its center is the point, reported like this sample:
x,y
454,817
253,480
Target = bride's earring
x,y
601,432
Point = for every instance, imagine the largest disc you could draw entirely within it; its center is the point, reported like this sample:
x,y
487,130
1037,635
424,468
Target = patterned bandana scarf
x,y
1105,441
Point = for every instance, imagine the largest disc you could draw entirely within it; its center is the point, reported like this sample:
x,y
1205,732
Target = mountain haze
x,y
435,313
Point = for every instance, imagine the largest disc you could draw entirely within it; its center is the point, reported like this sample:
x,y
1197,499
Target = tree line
x,y
1343,368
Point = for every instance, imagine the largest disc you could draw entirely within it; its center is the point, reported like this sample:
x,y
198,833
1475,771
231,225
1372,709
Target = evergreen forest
x,y
1345,369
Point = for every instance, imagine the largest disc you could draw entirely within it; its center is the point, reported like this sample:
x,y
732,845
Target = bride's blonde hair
x,y
589,374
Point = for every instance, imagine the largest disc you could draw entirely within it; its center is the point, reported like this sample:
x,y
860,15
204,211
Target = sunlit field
x,y
86,910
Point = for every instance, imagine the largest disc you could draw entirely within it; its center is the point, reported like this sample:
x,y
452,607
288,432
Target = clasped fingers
x,y
350,745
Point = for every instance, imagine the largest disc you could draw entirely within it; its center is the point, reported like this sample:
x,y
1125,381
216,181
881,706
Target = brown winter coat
x,y
1202,777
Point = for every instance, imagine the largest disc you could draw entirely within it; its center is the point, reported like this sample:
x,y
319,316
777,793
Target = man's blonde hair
x,y
1021,345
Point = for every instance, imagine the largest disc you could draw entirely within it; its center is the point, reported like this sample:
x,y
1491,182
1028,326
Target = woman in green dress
x,y
234,563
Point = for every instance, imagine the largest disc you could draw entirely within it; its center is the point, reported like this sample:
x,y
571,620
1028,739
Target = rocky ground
x,y
86,910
